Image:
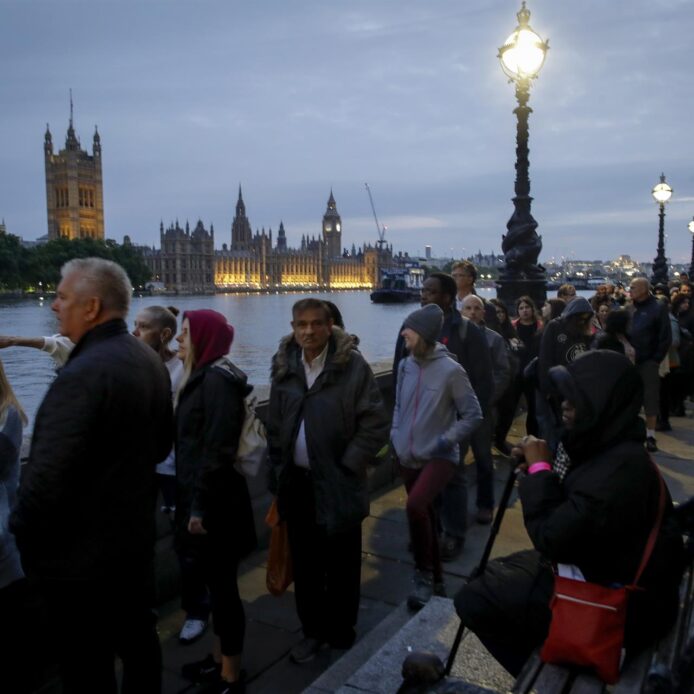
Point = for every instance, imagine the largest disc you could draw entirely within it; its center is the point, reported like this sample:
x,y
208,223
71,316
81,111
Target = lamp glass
x,y
662,193
523,54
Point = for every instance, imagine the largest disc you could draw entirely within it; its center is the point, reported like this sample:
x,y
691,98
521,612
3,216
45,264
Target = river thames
x,y
260,320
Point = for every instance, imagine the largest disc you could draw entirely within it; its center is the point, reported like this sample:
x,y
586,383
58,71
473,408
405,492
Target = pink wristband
x,y
539,467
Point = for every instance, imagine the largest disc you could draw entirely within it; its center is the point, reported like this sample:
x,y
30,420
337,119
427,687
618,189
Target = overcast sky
x,y
293,97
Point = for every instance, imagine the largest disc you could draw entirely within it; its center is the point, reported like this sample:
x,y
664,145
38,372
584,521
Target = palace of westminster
x,y
187,261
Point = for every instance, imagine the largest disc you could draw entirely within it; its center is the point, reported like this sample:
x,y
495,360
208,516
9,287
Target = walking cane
x,y
420,668
479,570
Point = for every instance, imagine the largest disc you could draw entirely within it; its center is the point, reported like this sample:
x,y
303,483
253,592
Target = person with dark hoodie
x,y
564,339
592,517
435,409
214,518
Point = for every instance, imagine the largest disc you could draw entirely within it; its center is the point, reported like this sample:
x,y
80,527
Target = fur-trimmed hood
x,y
340,347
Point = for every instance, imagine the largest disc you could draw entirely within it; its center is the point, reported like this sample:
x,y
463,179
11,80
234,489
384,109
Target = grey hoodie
x,y
434,405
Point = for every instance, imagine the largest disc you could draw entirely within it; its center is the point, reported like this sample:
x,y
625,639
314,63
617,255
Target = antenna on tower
x,y
71,109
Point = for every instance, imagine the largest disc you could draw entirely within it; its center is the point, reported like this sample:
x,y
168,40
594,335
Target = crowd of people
x,y
129,416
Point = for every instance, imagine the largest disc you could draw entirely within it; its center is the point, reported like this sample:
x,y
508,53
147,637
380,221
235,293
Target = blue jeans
x,y
454,496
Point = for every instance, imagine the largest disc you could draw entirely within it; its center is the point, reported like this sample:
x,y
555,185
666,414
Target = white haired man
x,y
84,520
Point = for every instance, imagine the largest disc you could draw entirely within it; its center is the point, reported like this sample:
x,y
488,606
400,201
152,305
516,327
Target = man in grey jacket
x,y
473,309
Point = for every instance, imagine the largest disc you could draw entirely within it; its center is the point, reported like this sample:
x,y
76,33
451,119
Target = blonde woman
x,y
13,585
214,518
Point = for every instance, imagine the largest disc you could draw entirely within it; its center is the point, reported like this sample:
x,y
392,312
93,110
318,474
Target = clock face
x,y
327,227
338,226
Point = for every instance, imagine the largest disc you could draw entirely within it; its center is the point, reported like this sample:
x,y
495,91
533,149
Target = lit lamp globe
x,y
523,53
661,192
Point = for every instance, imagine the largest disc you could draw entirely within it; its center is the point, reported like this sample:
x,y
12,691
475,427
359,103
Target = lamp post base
x,y
509,290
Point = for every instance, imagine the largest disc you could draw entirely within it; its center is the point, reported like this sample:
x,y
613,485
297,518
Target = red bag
x,y
279,560
587,627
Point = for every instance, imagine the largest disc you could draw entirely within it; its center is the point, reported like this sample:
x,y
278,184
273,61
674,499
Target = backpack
x,y
252,449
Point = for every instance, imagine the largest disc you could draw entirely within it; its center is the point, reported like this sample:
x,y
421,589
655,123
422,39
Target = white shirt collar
x,y
319,361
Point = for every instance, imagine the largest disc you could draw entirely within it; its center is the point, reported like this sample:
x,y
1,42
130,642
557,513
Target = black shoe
x,y
504,447
651,446
451,547
205,670
223,687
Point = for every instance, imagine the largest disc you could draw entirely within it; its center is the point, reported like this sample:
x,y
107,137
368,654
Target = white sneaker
x,y
192,630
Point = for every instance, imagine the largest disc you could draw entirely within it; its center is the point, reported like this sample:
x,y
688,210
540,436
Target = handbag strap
x,y
650,544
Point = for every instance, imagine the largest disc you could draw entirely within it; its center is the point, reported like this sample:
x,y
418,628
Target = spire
x,y
48,141
331,201
97,142
71,142
240,205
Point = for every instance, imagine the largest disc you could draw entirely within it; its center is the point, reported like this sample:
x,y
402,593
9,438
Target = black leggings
x,y
219,572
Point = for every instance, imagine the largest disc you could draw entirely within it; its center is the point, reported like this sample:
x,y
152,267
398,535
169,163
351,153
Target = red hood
x,y
210,335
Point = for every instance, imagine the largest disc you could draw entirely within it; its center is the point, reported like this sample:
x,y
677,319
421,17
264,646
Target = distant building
x,y
74,187
187,262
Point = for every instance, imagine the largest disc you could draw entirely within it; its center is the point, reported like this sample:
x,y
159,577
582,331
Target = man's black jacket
x,y
87,499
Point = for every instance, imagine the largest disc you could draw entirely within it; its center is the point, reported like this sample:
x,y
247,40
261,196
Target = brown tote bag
x,y
279,559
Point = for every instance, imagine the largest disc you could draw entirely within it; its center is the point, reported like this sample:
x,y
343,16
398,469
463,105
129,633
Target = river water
x,y
260,320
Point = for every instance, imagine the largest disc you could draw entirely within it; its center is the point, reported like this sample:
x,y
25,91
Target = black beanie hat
x,y
426,322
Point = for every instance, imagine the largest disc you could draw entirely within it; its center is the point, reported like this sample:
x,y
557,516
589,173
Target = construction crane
x,y
381,230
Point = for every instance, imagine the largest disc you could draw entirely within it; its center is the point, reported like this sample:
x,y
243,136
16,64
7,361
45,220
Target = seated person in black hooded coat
x,y
596,514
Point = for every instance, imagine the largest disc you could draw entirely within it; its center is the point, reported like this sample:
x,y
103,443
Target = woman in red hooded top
x,y
214,518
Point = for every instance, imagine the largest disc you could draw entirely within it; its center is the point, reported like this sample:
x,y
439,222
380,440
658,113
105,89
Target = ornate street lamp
x,y
522,56
661,194
690,226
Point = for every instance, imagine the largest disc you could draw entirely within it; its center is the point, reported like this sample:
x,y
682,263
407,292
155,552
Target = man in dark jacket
x,y
326,422
651,336
85,518
563,340
467,342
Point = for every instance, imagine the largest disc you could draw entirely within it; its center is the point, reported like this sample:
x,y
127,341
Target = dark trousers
x,y
94,621
508,607
195,598
481,444
327,568
217,568
23,643
507,405
423,486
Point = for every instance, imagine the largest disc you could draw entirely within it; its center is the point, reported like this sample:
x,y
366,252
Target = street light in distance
x,y
661,194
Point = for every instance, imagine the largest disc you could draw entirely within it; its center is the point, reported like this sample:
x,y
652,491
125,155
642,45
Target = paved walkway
x,y
386,574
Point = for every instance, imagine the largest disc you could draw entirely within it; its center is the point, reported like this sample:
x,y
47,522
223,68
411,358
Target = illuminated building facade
x,y
74,188
188,263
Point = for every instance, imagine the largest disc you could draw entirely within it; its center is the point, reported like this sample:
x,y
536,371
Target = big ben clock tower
x,y
332,229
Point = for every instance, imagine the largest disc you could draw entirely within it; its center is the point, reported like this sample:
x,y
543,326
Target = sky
x,y
293,98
